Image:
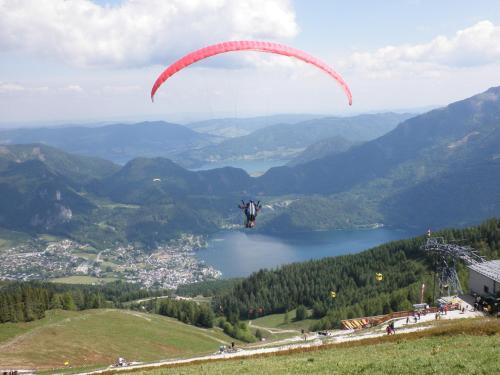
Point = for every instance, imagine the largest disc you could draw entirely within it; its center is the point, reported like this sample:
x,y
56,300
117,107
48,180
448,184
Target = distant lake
x,y
239,253
250,166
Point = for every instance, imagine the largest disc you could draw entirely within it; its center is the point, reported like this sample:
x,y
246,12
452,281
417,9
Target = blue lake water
x,y
239,253
252,167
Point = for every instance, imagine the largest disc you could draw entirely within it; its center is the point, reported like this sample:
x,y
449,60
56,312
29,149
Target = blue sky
x,y
84,61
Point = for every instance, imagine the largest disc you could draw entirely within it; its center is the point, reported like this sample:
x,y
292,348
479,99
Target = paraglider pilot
x,y
251,209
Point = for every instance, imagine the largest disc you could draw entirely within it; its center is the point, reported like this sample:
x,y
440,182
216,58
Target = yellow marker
x,y
379,276
66,363
333,294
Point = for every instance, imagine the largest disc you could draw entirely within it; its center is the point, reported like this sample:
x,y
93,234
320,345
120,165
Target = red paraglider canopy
x,y
248,45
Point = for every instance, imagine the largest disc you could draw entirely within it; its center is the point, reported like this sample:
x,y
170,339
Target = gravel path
x,y
313,340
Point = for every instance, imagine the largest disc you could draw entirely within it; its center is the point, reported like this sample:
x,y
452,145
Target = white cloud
x,y
6,87
474,46
13,88
73,88
137,32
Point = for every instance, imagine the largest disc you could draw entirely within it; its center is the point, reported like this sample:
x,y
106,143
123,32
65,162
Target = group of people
x,y
416,317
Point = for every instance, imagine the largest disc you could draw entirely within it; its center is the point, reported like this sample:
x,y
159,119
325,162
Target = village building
x,y
484,278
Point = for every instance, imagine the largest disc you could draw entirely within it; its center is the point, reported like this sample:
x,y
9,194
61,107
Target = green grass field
x,y
50,238
458,347
86,280
278,321
97,337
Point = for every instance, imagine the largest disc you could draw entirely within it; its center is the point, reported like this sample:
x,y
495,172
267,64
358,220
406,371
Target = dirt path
x,y
273,330
297,342
136,314
313,341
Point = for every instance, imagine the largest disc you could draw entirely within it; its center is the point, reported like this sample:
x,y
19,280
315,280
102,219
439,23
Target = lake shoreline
x,y
238,253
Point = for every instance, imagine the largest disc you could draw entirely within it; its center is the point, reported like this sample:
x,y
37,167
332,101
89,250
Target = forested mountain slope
x,y
425,145
440,168
80,169
403,264
321,149
34,198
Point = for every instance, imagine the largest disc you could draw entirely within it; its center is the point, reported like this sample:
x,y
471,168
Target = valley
x,y
145,218
249,187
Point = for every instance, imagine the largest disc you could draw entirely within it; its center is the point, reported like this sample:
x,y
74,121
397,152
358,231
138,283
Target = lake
x,y
239,253
252,167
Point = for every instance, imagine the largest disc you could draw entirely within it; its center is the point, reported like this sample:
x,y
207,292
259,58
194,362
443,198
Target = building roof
x,y
490,269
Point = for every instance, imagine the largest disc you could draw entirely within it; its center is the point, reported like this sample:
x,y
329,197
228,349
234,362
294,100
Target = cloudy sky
x,y
89,60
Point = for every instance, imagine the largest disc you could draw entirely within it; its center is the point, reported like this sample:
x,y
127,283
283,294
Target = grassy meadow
x,y
83,279
277,321
452,347
98,337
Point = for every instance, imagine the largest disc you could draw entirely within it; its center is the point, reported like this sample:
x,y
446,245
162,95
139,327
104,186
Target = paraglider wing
x,y
248,45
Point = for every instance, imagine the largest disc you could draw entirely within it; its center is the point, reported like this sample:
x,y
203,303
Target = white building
x,y
484,278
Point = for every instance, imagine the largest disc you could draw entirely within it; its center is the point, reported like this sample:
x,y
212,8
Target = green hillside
x,y
440,168
79,169
34,198
469,347
99,337
322,148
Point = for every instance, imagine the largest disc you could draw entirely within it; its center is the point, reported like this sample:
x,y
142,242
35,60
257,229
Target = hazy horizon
x,y
186,119
99,65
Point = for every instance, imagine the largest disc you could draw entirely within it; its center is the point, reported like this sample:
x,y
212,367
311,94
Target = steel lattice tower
x,y
445,257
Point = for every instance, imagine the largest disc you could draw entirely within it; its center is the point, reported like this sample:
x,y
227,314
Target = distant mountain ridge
x,y
193,146
118,143
285,141
237,127
430,137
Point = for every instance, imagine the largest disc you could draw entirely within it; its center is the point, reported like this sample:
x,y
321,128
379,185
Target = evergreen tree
x,y
286,318
67,301
301,313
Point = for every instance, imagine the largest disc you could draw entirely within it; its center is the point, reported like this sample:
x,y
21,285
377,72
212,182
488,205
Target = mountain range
x,y
441,167
117,142
193,145
286,141
437,169
231,127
